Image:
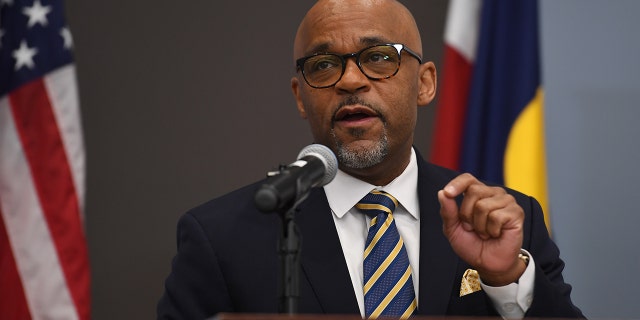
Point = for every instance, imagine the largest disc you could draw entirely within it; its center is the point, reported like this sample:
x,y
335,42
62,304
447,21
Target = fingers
x,y
485,210
459,184
448,211
453,189
490,215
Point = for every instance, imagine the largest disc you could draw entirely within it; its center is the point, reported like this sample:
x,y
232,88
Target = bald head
x,y
330,21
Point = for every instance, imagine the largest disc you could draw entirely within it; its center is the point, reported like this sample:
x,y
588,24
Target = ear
x,y
295,87
427,83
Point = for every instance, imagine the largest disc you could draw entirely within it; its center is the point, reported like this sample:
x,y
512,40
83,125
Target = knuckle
x,y
466,175
475,188
499,190
484,205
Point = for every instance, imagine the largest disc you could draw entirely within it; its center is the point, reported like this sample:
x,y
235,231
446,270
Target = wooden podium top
x,y
279,316
282,316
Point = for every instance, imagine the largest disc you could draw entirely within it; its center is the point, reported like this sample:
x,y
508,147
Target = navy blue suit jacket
x,y
227,260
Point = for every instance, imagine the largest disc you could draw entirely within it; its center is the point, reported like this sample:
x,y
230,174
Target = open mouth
x,y
354,113
354,117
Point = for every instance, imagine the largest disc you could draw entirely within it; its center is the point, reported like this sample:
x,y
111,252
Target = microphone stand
x,y
289,246
289,251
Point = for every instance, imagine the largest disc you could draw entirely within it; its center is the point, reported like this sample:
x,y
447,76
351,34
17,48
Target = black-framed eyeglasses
x,y
382,61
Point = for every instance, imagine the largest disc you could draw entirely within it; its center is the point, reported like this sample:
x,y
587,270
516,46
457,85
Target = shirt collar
x,y
344,191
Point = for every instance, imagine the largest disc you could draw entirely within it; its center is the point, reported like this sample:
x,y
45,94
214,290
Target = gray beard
x,y
362,158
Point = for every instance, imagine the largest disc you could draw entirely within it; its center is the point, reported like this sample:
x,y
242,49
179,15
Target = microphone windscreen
x,y
326,156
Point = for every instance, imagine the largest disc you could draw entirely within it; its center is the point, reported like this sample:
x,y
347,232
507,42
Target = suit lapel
x,y
324,267
322,260
438,262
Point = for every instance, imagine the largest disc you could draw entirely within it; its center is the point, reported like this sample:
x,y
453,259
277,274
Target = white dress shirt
x,y
345,191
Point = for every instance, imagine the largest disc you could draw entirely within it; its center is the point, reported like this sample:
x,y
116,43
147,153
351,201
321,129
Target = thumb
x,y
448,211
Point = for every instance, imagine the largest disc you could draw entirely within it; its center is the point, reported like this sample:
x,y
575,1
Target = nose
x,y
353,80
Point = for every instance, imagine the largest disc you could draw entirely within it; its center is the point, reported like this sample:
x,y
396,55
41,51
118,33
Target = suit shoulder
x,y
435,174
234,204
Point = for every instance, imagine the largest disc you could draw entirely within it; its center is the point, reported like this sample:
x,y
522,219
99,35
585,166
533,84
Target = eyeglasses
x,y
323,70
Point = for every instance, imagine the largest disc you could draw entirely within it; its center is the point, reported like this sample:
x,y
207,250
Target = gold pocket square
x,y
470,282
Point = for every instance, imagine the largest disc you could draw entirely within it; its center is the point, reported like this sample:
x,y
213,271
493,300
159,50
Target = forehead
x,y
346,26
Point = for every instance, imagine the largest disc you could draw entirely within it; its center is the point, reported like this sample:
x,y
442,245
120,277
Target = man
x,y
360,79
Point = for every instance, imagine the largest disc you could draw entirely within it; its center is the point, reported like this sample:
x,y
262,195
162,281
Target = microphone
x,y
316,166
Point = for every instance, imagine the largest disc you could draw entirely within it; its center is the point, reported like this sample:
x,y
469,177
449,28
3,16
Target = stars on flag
x,y
24,56
34,39
67,38
37,14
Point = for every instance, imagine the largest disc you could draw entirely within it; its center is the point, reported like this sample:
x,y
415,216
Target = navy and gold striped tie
x,y
388,286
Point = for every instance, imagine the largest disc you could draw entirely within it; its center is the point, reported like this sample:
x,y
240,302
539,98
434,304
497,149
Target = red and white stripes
x,y
44,267
461,41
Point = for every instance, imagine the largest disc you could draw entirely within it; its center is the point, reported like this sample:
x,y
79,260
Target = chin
x,y
362,154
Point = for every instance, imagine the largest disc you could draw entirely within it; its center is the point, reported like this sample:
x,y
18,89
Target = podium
x,y
280,316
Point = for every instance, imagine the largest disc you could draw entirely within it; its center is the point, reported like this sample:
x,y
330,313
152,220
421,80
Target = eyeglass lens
x,y
377,62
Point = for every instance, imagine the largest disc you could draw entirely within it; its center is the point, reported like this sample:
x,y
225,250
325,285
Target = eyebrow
x,y
365,41
371,41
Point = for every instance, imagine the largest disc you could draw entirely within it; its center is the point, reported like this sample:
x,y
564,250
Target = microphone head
x,y
326,156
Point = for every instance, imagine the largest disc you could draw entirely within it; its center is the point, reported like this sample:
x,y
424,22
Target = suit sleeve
x,y
551,295
195,288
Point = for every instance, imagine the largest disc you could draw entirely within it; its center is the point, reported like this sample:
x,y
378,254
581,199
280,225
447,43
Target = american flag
x,y
44,267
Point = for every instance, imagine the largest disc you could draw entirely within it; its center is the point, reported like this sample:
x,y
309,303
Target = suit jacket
x,y
227,260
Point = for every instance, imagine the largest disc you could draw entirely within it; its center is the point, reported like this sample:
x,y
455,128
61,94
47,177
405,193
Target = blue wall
x,y
591,74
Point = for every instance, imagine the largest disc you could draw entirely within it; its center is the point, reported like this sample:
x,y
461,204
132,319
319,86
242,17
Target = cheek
x,y
319,117
317,107
404,119
402,116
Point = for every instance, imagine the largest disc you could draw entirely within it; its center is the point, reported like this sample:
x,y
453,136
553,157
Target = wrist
x,y
510,276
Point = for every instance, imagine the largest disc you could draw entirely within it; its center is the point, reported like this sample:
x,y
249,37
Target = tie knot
x,y
376,202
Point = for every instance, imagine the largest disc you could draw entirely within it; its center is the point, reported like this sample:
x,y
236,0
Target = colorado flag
x,y
490,117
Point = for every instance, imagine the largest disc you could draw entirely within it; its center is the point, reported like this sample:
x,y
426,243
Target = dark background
x,y
182,102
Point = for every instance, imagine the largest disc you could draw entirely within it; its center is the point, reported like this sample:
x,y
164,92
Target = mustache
x,y
355,100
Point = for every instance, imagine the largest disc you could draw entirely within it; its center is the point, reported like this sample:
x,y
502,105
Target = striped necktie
x,y
388,286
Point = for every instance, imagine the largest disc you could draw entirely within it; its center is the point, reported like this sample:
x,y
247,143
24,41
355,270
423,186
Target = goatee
x,y
361,157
